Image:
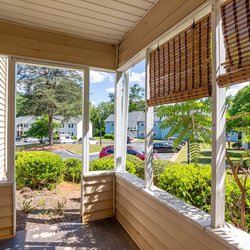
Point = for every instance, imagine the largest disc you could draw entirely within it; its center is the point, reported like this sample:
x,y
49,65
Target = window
x,y
131,152
112,124
142,124
110,151
72,134
142,133
71,125
25,125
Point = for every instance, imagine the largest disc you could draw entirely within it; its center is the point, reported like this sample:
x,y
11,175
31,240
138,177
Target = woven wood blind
x,y
180,69
236,31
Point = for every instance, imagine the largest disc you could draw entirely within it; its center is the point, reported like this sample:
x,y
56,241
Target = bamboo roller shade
x,y
180,69
236,30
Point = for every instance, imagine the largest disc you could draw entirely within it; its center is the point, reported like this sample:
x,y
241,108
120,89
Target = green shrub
x,y
109,136
159,167
192,183
73,170
37,169
138,164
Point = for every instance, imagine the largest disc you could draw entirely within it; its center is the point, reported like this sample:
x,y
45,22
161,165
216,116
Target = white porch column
x,y
85,130
11,120
125,102
149,131
121,119
218,123
118,122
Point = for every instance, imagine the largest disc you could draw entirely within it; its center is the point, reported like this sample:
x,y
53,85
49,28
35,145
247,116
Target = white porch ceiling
x,y
100,20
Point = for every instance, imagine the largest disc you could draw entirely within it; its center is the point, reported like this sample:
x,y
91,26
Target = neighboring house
x,y
23,124
72,127
136,123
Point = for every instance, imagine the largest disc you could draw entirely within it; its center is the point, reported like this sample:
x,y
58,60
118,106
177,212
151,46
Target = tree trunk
x,y
188,152
243,209
50,128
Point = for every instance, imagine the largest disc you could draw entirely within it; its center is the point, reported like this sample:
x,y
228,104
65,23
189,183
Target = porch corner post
x,y
118,122
11,128
149,130
125,105
218,122
85,131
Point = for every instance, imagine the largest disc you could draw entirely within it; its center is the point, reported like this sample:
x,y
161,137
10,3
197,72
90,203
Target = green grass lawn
x,y
205,157
74,148
103,139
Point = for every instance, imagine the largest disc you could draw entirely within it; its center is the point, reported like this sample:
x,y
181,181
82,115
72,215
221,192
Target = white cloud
x,y
138,78
110,90
98,76
235,88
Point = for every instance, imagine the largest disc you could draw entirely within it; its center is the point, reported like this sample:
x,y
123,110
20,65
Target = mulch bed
x,y
61,204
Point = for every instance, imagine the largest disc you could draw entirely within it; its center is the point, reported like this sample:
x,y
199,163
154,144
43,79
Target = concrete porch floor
x,y
101,234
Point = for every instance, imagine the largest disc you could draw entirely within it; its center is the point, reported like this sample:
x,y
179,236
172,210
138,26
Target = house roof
x,y
133,118
25,119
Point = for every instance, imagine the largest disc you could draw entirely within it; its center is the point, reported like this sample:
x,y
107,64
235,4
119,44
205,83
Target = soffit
x,y
107,20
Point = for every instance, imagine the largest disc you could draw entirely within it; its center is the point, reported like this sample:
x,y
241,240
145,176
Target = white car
x,y
92,140
31,139
66,139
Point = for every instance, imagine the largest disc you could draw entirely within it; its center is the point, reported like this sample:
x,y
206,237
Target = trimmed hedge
x,y
109,136
38,169
192,183
73,170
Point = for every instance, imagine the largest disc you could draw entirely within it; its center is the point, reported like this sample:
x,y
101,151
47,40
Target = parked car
x,y
31,139
130,150
129,140
173,138
18,139
165,147
66,139
92,140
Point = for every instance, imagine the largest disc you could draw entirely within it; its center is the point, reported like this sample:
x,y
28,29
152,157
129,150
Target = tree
x,y
19,104
136,98
49,92
191,120
238,119
40,128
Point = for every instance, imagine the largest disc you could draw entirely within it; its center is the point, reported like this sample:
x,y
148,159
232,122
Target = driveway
x,y
66,154
140,146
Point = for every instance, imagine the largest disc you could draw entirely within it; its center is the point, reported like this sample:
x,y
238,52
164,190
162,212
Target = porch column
x,y
125,102
85,130
149,130
218,122
121,119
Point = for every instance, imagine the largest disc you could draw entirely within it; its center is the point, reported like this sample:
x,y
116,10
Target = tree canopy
x,y
48,92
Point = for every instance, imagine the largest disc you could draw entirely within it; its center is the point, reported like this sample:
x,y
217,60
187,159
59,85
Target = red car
x,y
130,150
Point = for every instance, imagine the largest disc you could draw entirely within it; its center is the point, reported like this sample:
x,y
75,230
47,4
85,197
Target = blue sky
x,y
102,83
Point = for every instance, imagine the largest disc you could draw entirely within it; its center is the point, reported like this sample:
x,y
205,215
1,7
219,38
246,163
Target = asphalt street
x,y
139,146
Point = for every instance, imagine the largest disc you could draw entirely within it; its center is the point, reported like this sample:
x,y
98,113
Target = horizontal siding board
x,y
161,227
6,232
97,215
18,40
157,21
98,197
99,205
172,223
135,235
6,211
6,221
98,188
6,200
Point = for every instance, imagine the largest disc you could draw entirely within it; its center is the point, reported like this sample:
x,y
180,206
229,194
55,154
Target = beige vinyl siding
x,y
6,211
3,79
155,226
162,16
98,197
33,43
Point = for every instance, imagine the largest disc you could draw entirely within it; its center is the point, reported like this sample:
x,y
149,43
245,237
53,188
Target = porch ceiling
x,y
107,21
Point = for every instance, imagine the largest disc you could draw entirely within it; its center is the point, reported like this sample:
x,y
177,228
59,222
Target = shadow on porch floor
x,y
101,234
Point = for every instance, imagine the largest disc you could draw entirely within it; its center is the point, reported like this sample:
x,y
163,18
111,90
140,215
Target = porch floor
x,y
101,234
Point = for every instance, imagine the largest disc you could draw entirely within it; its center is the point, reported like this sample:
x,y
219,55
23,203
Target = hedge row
x,y
191,183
